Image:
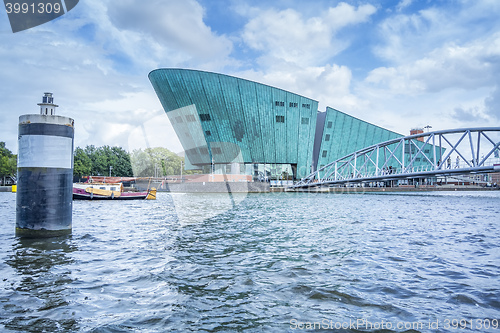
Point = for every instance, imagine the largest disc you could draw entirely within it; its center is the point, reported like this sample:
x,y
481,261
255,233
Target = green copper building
x,y
232,125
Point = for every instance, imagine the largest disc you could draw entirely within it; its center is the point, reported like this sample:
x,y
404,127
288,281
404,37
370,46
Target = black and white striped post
x,y
45,173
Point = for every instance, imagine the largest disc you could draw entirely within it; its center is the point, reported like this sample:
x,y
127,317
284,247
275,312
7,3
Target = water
x,y
287,262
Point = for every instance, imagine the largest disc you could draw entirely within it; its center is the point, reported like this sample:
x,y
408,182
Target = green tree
x,y
165,162
122,165
82,165
8,162
96,161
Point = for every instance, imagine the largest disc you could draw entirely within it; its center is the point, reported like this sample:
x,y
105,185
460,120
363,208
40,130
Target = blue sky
x,y
397,64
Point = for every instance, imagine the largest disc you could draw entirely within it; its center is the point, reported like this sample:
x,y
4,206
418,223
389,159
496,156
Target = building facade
x,y
232,125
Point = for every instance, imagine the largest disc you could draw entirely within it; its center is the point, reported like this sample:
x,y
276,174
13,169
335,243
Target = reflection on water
x,y
256,263
197,207
41,281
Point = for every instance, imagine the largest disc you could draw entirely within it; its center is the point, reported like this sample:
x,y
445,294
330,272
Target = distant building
x,y
414,131
232,125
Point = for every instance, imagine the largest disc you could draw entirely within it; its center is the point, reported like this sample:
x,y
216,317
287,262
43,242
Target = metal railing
x,y
415,156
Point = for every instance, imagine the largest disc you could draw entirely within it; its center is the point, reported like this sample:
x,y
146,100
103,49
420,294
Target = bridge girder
x,y
422,155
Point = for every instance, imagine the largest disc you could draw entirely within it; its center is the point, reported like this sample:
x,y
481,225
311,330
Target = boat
x,y
109,191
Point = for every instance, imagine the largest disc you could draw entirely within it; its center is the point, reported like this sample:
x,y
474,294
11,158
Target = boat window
x,y
102,188
113,189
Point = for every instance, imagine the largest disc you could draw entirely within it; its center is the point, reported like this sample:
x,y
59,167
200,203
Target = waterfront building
x,y
231,125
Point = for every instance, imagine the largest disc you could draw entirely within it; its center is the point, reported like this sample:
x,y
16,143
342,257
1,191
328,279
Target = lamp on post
x,y
181,172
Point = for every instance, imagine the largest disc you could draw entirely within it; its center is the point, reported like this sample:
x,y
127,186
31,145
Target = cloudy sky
x,y
395,63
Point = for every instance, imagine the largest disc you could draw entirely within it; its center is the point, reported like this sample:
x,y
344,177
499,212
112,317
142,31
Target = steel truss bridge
x,y
421,156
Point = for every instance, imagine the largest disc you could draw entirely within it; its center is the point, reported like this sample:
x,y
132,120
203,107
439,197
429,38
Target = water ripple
x,y
260,263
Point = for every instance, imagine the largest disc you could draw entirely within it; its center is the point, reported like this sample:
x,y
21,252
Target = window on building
x,y
306,106
329,125
208,133
426,151
324,153
204,151
293,105
280,119
178,119
205,117
305,121
190,118
327,137
279,103
216,151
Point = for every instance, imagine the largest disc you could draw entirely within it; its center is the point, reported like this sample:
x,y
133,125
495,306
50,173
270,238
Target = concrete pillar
x,y
45,176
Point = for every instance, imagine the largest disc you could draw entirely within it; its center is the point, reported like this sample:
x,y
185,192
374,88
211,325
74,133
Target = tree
x,y
82,165
97,161
8,162
123,165
165,162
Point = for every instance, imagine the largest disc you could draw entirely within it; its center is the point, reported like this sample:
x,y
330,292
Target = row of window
x,y
281,119
206,117
292,104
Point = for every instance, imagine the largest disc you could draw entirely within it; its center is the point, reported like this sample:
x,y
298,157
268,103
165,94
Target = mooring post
x,y
44,199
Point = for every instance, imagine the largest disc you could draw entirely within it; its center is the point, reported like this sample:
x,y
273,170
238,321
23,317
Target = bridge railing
x,y
473,150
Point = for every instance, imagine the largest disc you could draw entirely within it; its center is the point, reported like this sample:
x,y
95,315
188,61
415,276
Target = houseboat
x,y
109,191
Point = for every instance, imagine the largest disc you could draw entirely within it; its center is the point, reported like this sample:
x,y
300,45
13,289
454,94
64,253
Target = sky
x,y
398,64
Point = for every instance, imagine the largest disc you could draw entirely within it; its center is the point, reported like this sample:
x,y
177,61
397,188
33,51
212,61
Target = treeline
x,y
8,162
106,160
102,161
150,162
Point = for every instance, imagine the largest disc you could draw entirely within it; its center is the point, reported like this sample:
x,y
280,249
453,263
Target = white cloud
x,y
492,103
469,66
403,4
96,59
441,67
288,36
296,51
176,26
435,64
329,85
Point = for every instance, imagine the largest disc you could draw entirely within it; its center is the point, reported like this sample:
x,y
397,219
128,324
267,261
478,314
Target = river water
x,y
274,262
